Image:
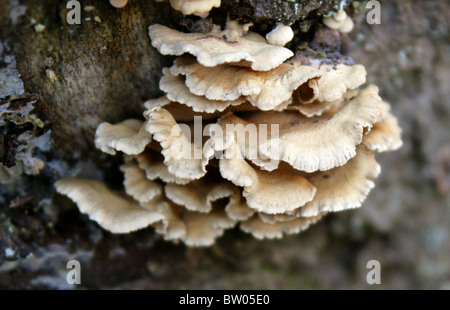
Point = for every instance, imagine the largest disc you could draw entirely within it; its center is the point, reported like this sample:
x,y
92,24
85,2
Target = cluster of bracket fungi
x,y
284,139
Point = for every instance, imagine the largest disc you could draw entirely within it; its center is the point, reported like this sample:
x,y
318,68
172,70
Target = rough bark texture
x,y
268,12
104,70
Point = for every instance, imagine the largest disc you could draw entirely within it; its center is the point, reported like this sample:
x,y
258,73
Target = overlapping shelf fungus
x,y
248,133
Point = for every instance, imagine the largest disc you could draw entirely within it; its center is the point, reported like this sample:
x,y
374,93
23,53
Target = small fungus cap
x,y
129,137
280,35
137,185
196,7
118,3
341,22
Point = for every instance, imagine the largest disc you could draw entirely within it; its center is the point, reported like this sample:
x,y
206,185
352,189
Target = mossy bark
x,y
100,70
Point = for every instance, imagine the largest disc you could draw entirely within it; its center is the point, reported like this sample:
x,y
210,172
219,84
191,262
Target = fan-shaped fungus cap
x,y
128,137
118,3
344,187
183,157
202,229
198,195
270,192
177,90
216,48
261,230
335,82
280,35
385,134
265,90
111,210
137,185
237,208
196,7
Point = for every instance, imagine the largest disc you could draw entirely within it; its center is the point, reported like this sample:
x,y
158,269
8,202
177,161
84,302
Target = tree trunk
x,y
105,68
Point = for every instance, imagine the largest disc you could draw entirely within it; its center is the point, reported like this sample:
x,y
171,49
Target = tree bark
x,y
100,70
